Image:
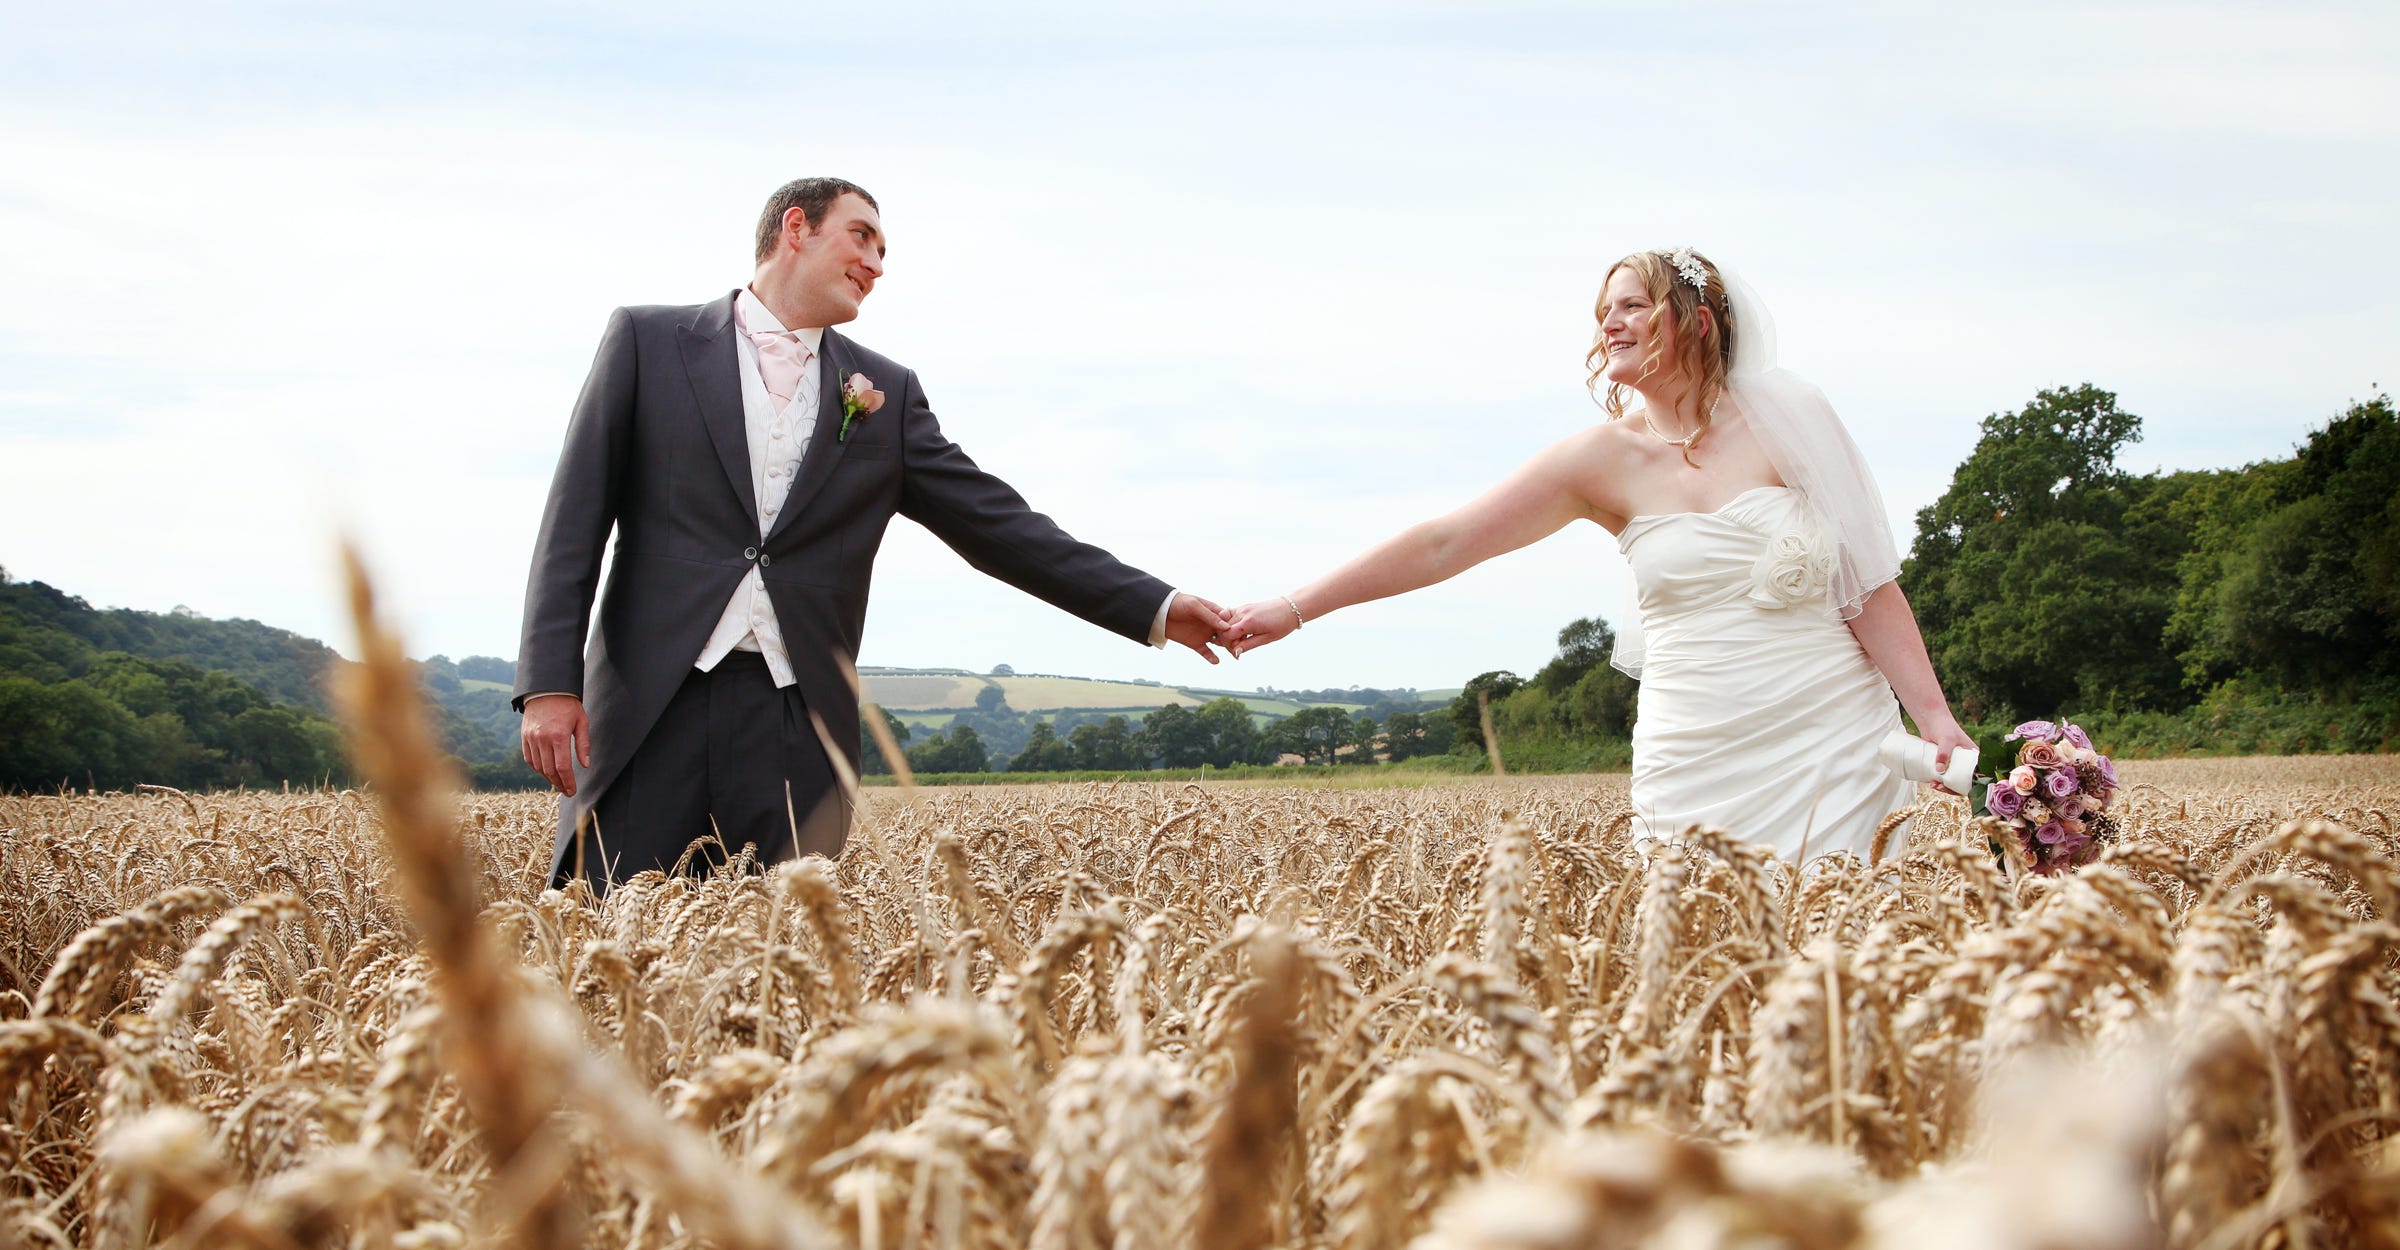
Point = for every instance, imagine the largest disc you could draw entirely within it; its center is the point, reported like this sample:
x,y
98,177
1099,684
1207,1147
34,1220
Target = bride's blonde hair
x,y
1703,350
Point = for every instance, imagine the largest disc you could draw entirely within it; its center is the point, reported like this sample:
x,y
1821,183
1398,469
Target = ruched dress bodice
x,y
1759,712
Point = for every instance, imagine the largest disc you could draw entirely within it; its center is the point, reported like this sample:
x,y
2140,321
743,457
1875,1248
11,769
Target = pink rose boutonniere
x,y
859,399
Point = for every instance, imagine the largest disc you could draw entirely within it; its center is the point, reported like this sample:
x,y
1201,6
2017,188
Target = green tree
x,y
1232,733
966,752
1175,737
272,744
1105,746
871,760
1364,735
1601,703
439,675
1043,753
2297,577
1466,711
487,668
1312,733
1577,695
2043,578
65,732
1583,646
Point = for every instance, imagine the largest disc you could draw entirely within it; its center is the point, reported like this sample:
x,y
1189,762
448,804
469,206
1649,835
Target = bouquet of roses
x,y
2055,801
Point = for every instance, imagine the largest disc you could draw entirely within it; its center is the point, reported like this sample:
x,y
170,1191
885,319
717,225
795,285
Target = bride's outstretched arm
x,y
1536,501
1887,628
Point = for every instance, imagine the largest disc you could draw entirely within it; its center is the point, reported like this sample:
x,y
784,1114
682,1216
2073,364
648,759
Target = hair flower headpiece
x,y
1690,267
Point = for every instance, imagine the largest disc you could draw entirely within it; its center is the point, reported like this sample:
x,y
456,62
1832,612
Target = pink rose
x,y
2003,800
2039,754
2023,778
860,391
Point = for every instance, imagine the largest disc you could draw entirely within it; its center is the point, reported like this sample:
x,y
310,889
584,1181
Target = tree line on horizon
x,y
2251,609
1221,733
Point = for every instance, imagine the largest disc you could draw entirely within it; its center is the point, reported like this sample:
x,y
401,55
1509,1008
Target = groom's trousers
x,y
732,758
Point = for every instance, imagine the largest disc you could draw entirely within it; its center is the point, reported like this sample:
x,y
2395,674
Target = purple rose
x,y
2076,736
2050,834
2071,806
2108,772
2060,783
2072,845
2002,800
2041,729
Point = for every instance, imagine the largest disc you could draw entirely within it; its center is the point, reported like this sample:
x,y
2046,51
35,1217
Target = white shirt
x,y
778,434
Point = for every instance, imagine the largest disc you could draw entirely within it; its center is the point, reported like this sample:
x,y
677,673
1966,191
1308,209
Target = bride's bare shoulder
x,y
1611,440
1593,463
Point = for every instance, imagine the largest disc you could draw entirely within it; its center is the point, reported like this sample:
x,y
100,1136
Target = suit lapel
x,y
825,444
714,365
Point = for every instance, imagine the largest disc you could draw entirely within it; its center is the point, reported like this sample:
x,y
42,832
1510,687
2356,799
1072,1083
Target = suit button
x,y
749,553
765,560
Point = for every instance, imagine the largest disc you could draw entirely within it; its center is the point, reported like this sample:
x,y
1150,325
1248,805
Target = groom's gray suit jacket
x,y
657,450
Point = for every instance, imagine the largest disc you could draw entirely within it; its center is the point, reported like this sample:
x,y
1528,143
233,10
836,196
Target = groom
x,y
748,459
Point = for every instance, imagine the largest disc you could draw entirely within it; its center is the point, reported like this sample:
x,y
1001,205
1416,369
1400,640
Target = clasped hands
x,y
1195,623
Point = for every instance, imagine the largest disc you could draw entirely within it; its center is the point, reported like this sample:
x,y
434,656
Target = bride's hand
x,y
1254,625
1945,739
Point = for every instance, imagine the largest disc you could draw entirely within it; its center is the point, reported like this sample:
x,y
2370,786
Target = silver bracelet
x,y
1297,619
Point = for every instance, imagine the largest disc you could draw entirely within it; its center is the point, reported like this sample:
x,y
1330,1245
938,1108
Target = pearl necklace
x,y
1686,440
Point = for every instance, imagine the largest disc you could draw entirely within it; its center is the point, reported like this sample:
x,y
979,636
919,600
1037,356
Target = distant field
x,y
1045,694
932,690
942,692
474,684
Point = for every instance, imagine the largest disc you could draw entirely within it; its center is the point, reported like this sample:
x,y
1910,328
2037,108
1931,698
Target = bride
x,y
1772,638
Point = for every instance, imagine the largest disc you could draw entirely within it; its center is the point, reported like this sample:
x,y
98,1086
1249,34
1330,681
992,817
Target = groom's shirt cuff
x,y
1158,623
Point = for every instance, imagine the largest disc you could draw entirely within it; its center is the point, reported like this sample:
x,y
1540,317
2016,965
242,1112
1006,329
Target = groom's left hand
x,y
1194,622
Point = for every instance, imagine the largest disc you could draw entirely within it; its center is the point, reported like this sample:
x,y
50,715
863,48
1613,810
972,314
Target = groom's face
x,y
840,260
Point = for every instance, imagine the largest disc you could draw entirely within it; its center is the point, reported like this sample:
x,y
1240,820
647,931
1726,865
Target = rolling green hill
x,y
113,697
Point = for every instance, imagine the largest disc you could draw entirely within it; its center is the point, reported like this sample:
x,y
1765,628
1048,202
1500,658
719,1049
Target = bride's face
x,y
1630,331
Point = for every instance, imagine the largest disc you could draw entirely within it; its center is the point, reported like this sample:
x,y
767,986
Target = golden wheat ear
x,y
510,1090
519,1055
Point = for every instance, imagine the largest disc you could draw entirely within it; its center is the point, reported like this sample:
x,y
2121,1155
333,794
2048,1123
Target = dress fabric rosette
x,y
1759,712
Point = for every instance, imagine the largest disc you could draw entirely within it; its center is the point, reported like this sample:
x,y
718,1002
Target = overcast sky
x,y
1232,290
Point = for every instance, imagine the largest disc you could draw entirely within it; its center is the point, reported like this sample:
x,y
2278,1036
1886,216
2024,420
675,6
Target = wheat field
x,y
1121,1016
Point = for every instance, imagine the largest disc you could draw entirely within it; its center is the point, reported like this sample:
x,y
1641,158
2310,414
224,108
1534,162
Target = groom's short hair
x,y
812,196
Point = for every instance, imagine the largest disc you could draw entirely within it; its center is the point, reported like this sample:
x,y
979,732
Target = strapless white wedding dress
x,y
1759,712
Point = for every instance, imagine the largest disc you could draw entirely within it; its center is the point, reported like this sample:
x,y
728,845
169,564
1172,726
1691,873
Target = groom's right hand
x,y
557,736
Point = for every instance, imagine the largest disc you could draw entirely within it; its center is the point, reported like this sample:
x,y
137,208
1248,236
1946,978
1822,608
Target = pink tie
x,y
781,357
